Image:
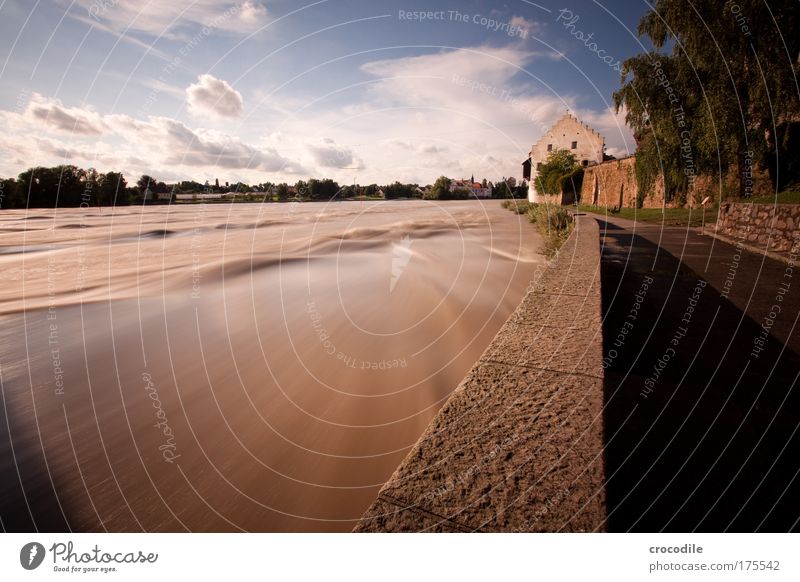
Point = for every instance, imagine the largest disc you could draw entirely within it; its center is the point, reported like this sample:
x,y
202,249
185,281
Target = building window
x,y
538,166
585,163
549,147
574,145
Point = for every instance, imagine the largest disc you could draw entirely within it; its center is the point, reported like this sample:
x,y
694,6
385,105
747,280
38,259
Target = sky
x,y
281,90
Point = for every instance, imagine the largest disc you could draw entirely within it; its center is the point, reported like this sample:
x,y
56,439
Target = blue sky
x,y
268,90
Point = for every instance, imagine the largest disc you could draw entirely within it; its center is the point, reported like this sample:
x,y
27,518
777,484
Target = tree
x,y
282,191
145,182
548,178
112,190
725,97
325,189
398,190
10,194
440,189
51,187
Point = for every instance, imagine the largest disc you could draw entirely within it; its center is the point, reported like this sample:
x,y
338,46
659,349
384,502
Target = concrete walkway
x,y
702,412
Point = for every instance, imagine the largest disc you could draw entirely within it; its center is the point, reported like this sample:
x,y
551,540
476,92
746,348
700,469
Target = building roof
x,y
567,117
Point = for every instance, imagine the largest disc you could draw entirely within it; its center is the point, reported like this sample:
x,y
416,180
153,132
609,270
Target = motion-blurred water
x,y
224,367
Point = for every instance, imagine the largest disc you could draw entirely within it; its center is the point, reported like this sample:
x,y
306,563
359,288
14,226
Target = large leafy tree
x,y
144,182
51,187
719,92
113,189
440,189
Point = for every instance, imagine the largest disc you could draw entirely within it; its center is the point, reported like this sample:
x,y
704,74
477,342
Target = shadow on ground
x,y
700,433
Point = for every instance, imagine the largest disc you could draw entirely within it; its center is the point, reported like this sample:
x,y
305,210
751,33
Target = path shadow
x,y
700,432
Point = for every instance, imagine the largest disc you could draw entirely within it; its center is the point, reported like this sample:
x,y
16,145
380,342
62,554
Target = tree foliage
x,y
440,189
559,163
712,103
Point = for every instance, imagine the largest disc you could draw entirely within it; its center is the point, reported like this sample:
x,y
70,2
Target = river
x,y
225,367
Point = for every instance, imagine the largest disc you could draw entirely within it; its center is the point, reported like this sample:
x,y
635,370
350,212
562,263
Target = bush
x,y
554,222
516,206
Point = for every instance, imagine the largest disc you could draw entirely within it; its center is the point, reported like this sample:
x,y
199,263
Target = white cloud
x,y
214,98
52,113
177,144
176,19
529,26
156,145
328,154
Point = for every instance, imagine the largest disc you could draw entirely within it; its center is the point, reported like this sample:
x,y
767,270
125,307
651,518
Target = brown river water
x,y
236,367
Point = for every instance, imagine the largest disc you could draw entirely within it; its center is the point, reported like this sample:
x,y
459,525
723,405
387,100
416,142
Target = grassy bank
x,y
666,216
553,221
789,197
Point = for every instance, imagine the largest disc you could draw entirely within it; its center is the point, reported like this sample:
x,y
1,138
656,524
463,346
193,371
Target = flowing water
x,y
240,366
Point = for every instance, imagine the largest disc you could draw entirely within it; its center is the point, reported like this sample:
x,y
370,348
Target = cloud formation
x,y
175,20
52,113
328,154
215,98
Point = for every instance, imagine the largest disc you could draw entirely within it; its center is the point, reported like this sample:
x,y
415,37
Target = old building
x,y
568,133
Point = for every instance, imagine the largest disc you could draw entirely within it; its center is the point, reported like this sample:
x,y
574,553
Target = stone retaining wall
x,y
519,444
766,226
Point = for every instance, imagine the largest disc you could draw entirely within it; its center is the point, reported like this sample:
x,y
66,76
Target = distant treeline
x,y
70,186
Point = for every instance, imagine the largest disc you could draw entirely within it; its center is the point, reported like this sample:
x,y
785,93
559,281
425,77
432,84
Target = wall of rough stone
x,y
771,227
612,182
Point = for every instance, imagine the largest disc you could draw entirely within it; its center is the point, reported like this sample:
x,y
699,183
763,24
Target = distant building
x,y
476,189
568,133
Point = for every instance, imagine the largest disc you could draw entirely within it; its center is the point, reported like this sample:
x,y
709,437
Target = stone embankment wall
x,y
613,184
771,227
519,444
